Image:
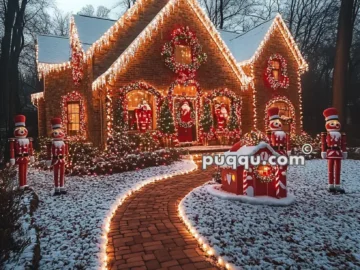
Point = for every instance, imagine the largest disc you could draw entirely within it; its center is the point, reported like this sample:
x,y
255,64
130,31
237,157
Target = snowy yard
x,y
318,231
71,226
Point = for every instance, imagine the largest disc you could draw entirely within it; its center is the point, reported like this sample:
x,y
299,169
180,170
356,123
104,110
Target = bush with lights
x,y
207,131
254,137
297,142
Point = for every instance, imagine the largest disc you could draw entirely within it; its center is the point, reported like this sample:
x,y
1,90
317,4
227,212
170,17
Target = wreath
x,y
183,36
283,80
265,178
182,123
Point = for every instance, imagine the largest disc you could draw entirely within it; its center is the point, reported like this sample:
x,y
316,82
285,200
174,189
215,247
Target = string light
x,y
204,246
36,97
120,200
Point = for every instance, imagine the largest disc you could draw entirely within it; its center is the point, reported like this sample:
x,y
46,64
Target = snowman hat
x,y
273,113
331,114
56,123
19,120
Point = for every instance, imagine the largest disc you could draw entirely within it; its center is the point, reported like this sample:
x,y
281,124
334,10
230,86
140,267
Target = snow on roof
x,y
243,47
53,49
90,29
251,150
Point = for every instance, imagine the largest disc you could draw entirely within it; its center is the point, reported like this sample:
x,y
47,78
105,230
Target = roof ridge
x,y
54,36
257,26
95,17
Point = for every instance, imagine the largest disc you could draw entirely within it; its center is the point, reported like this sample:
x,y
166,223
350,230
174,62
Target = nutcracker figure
x,y
57,151
222,117
280,142
333,148
21,149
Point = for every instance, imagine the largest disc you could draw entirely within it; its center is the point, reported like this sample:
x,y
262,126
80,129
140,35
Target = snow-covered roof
x,y
53,49
90,29
251,150
243,47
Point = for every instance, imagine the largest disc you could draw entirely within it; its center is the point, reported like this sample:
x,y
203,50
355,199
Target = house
x,y
256,180
109,72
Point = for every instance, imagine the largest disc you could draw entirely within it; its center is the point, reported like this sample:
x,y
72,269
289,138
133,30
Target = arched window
x,y
275,69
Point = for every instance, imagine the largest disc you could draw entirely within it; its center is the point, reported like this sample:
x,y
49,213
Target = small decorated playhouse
x,y
260,180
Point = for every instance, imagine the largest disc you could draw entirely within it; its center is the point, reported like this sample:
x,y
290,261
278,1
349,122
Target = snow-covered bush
x,y
11,210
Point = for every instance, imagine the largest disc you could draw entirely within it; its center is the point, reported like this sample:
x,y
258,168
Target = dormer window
x,y
275,69
183,54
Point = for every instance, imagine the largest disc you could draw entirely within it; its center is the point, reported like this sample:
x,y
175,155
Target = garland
x,y
291,121
265,178
123,103
183,36
283,81
77,55
74,97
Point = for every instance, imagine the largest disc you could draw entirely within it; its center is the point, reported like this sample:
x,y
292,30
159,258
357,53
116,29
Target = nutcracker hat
x,y
331,114
273,113
56,123
20,120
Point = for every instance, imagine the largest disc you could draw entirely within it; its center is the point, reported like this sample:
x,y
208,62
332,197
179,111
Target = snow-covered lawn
x,y
318,231
71,226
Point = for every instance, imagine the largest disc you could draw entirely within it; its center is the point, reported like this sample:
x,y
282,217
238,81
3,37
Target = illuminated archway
x,y
288,107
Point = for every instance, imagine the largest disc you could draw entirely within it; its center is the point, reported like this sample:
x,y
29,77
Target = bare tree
x,y
343,44
60,25
102,12
88,10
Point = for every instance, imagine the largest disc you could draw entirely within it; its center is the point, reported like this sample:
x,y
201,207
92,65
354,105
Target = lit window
x,y
73,125
134,99
183,54
188,91
275,69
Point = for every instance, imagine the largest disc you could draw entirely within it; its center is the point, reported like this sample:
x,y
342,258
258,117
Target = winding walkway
x,y
146,232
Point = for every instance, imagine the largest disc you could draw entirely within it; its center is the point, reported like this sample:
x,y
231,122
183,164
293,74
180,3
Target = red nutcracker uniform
x,y
333,148
280,141
21,149
143,117
57,151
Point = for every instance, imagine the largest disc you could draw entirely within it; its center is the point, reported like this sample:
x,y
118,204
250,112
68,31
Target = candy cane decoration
x,y
245,183
277,183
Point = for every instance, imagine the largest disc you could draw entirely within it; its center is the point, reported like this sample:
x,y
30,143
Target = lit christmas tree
x,y
166,120
206,121
234,121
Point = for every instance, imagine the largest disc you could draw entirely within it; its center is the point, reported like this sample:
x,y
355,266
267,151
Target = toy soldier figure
x,y
21,149
278,138
333,148
280,142
57,151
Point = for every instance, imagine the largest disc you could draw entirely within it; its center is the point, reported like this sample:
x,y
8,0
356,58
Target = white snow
x,y
72,225
209,147
243,47
319,231
53,49
215,190
251,150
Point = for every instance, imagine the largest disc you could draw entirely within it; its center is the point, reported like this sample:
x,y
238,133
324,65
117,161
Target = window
x,y
183,54
73,110
188,91
135,98
276,69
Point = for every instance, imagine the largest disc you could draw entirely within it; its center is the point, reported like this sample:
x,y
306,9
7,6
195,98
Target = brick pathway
x,y
146,232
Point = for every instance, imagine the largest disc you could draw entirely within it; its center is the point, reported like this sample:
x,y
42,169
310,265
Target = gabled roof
x,y
90,29
148,32
247,47
54,49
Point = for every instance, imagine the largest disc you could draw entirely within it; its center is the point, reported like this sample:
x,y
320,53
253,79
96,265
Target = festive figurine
x,y
278,138
143,116
280,142
21,149
222,117
186,123
333,148
57,151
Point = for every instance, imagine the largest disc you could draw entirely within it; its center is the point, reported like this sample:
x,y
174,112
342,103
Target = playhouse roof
x,y
251,150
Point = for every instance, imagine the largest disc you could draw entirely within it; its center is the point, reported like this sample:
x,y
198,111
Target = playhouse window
x,y
73,125
275,69
135,98
183,54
